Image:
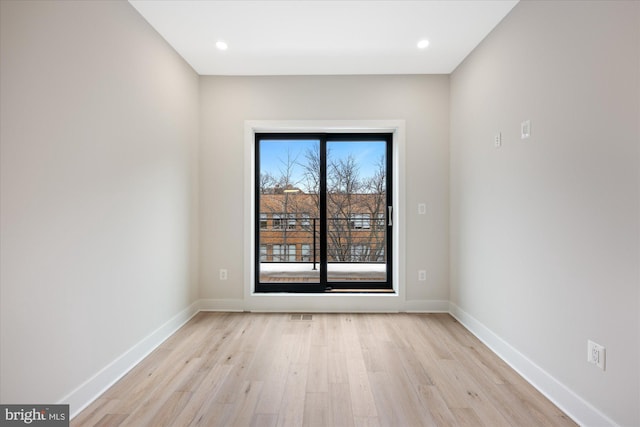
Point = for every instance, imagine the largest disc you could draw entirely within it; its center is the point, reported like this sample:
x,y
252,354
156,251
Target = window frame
x,y
324,284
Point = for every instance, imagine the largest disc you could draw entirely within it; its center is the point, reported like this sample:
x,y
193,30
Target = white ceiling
x,y
323,37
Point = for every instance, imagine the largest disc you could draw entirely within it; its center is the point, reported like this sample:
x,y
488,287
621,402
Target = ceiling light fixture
x,y
221,45
422,44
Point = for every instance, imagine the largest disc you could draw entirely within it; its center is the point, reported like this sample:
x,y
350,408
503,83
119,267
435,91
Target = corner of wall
x,y
91,389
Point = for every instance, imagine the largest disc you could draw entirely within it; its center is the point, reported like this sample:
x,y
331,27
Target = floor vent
x,y
301,317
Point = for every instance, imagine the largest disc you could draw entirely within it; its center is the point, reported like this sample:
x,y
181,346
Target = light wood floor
x,y
248,369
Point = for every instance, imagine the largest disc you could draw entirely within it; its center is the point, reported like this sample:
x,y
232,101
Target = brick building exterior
x,y
356,227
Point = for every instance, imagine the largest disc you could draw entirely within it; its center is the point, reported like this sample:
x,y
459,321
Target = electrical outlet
x,y
422,208
497,140
596,354
422,275
223,274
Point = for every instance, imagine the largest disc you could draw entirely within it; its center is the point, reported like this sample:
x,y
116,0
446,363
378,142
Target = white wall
x,y
544,232
98,191
226,102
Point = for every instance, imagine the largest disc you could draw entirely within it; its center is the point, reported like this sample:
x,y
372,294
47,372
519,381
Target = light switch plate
x,y
525,129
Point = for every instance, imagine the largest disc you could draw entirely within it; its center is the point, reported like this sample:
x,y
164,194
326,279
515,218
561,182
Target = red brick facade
x,y
356,227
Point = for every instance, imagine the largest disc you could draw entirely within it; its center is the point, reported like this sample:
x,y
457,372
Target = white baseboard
x,y
91,389
323,303
573,405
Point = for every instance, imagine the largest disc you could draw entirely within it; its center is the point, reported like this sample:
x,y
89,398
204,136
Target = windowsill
x,y
332,293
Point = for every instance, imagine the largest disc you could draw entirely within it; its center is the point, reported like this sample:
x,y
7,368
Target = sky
x,y
273,155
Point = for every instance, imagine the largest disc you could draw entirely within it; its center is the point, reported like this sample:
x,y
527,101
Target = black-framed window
x,y
329,197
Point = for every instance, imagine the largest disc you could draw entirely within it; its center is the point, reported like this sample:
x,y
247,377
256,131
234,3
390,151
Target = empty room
x,y
320,213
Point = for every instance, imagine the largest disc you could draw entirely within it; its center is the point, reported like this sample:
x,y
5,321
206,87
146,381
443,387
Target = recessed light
x,y
221,45
422,44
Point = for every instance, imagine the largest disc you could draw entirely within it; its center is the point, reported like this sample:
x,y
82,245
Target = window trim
x,y
333,302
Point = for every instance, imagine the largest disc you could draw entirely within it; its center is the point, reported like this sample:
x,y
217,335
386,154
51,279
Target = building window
x,y
263,221
284,253
291,222
291,253
263,253
277,222
359,252
305,252
360,221
278,253
305,220
380,220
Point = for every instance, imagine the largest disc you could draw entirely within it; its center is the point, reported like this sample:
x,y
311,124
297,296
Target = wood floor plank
x,y
361,396
341,409
260,368
466,417
274,387
140,376
216,415
317,409
318,380
366,421
406,397
246,403
292,406
264,420
319,335
111,420
337,367
474,397
385,408
438,409
335,336
95,412
233,383
204,396
244,369
170,409
158,397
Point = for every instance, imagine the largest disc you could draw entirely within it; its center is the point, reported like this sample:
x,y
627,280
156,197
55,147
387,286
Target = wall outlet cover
x,y
596,354
525,129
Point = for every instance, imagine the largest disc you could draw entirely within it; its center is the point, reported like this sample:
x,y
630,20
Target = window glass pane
x,y
347,242
356,193
288,191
